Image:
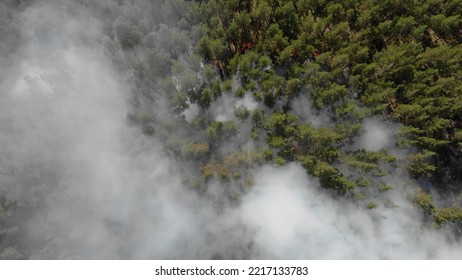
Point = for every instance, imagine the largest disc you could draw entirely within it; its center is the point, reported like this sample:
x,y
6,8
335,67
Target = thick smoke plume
x,y
78,180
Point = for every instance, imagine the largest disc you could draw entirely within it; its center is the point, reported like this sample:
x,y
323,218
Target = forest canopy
x,y
365,97
399,61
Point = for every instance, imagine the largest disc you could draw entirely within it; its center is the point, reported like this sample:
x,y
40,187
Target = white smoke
x,y
88,185
294,218
377,136
302,106
108,189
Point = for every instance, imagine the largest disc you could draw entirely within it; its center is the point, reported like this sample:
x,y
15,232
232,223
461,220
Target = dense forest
x,y
364,96
398,60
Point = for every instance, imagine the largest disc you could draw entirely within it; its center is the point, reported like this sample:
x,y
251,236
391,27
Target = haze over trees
x,y
182,106
398,60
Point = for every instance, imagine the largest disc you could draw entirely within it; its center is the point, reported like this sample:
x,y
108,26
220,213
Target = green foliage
x,y
424,200
293,87
205,97
364,161
196,150
280,161
242,113
257,117
240,92
218,131
179,102
275,41
440,216
329,176
126,33
451,214
382,187
371,205
233,166
352,59
398,59
281,123
419,164
227,85
362,182
322,142
147,121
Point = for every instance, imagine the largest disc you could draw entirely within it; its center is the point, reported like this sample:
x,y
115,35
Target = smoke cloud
x,y
79,181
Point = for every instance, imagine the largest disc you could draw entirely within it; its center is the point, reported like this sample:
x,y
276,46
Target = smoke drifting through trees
x,y
97,162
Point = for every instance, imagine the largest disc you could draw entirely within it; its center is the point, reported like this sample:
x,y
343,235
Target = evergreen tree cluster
x,y
400,61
